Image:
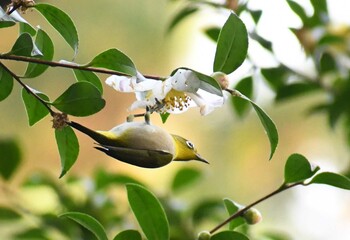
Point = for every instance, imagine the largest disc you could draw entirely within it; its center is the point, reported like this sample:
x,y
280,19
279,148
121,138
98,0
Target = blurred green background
x,y
237,149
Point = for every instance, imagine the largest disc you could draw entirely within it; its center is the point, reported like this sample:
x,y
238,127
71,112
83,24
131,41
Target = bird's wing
x,y
138,157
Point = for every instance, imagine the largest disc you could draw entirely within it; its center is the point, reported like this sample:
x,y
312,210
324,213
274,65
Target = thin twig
x,y
28,89
243,210
67,65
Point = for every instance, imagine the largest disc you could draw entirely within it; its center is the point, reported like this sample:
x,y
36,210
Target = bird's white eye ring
x,y
190,144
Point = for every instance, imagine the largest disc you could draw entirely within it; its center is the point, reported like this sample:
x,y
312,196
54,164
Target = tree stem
x,y
27,89
243,210
67,65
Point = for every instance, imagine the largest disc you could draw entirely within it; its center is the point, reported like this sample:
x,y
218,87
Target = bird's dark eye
x,y
190,144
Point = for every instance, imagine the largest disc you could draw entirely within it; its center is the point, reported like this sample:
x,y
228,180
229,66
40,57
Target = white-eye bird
x,y
142,144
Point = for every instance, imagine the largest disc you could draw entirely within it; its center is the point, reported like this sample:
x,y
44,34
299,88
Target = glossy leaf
x,y
6,24
269,127
128,235
267,123
46,47
35,109
213,33
181,15
23,46
87,76
61,22
68,147
6,83
232,45
31,234
327,63
10,158
332,179
87,222
233,207
7,214
164,116
275,77
244,86
185,177
297,169
229,235
295,90
148,212
114,59
209,208
298,10
262,41
104,179
256,15
80,99
25,27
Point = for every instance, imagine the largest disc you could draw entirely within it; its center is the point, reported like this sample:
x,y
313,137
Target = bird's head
x,y
185,150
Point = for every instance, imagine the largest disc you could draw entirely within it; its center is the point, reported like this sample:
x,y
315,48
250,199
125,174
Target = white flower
x,y
175,94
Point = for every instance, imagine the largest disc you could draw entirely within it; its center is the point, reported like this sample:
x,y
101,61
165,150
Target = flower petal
x,y
185,81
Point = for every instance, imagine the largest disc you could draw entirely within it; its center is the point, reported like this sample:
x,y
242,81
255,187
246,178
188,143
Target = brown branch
x,y
53,113
243,210
67,65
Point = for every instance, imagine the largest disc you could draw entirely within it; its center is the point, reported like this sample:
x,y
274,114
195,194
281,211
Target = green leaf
x,y
269,127
61,22
244,86
35,109
298,10
23,46
7,214
181,15
207,83
25,27
209,208
10,158
6,83
232,45
104,179
232,207
88,222
80,99
332,179
267,123
256,15
262,41
295,89
31,234
46,47
298,169
148,212
229,235
68,147
275,77
164,116
213,33
184,177
5,24
128,235
88,76
115,60
327,63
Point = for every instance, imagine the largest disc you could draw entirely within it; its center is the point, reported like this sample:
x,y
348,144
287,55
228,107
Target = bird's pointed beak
x,y
200,158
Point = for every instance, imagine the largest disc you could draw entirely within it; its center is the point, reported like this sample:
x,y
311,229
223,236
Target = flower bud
x,y
252,216
221,78
204,235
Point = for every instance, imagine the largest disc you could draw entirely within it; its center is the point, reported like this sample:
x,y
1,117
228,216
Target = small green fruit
x,y
204,235
252,216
